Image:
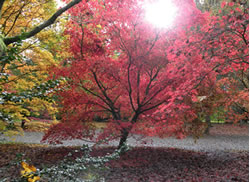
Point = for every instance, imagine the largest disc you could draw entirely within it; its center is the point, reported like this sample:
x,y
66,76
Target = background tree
x,y
208,5
227,50
230,32
25,64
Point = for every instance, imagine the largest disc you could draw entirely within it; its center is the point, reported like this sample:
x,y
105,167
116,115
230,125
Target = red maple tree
x,y
137,75
227,44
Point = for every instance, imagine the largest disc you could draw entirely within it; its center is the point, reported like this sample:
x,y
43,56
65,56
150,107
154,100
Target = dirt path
x,y
207,143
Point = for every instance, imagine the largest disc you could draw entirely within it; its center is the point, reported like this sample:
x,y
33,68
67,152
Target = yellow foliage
x,y
41,51
16,111
38,104
28,171
20,14
99,26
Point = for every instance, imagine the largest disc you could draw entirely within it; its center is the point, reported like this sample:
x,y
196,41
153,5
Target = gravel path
x,y
206,143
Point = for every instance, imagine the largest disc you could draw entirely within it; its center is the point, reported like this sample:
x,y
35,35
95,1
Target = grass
x,y
40,126
219,121
37,125
99,125
216,121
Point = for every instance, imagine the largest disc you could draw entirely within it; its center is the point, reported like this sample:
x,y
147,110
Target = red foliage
x,y
125,68
227,44
63,131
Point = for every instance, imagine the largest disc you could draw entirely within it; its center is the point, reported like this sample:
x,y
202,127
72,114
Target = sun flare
x,y
161,13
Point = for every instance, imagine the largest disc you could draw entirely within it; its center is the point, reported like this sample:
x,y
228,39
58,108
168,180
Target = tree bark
x,y
125,131
208,122
123,138
23,124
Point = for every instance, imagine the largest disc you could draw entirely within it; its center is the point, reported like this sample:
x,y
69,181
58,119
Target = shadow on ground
x,y
138,164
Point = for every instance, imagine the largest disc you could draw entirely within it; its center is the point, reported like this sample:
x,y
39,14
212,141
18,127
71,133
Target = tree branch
x,y
1,6
129,85
153,107
13,24
138,86
93,93
115,111
39,28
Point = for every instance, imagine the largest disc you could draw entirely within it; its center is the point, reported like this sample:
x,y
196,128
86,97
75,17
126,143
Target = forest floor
x,y
140,164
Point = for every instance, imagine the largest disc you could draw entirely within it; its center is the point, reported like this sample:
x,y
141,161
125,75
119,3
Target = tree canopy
x,y
139,76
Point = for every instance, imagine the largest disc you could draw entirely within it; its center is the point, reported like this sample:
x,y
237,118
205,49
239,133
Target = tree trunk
x,y
125,131
23,124
123,138
208,122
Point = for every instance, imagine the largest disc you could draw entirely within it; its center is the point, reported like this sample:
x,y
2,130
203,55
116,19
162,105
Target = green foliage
x,y
214,6
2,46
208,5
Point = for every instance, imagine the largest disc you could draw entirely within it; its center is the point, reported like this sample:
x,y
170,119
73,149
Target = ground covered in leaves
x,y
138,164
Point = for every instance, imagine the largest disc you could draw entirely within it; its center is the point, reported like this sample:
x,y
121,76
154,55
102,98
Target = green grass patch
x,y
216,121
